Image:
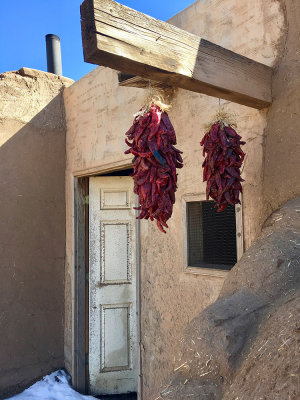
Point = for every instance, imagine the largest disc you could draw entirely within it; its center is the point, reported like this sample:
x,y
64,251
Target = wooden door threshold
x,y
127,396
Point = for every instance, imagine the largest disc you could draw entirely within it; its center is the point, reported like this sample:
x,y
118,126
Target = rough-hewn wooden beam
x,y
121,38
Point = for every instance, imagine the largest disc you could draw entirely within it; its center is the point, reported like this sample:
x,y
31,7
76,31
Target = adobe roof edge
x,y
37,74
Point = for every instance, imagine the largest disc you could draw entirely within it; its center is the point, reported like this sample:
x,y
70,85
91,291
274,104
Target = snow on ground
x,y
55,386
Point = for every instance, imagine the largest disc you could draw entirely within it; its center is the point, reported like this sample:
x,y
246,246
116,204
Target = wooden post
x,y
121,38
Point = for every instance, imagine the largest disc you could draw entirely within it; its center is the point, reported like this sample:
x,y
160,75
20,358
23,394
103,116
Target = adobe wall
x,y
282,145
99,112
32,226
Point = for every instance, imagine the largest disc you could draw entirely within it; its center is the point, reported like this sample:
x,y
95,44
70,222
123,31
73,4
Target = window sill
x,y
218,273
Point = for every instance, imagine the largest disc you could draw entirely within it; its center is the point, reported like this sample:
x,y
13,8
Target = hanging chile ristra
x,y
223,160
151,140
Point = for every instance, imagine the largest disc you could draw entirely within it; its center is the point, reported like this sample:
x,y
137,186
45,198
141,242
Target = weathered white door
x,y
112,286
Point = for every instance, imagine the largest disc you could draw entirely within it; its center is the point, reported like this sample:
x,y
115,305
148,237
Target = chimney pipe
x,y
53,54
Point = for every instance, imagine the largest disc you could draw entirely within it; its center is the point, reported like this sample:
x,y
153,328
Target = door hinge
x,y
87,199
86,359
86,276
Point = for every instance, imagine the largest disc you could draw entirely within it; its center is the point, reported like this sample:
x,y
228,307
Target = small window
x,y
211,236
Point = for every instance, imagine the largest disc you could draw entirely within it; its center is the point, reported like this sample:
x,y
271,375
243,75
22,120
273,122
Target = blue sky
x,y
24,24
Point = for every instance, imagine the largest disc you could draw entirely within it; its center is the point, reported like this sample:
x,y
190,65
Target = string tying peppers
x,y
223,160
151,140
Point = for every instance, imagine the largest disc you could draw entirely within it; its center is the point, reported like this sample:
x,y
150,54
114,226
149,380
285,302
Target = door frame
x,y
80,378
80,293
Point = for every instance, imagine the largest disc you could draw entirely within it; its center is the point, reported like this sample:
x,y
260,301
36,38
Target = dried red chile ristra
x,y
223,160
151,139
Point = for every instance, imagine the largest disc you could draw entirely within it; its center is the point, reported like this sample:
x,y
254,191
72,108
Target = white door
x,y
112,286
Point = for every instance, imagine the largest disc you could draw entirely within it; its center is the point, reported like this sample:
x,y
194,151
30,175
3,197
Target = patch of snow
x,y
55,386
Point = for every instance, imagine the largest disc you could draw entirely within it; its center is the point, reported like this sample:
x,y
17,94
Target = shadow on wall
x,y
32,246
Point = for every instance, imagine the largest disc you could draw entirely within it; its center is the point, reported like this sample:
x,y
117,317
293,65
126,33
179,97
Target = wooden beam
x,y
121,38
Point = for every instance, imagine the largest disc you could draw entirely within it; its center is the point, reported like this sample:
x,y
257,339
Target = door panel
x,y
115,333
115,255
112,286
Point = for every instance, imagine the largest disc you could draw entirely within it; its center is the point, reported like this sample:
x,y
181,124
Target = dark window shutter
x,y
211,236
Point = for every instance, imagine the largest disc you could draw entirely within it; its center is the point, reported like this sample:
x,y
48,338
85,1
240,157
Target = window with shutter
x,y
211,236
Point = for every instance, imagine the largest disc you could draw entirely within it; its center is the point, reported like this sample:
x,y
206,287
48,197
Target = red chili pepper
x,y
154,165
222,163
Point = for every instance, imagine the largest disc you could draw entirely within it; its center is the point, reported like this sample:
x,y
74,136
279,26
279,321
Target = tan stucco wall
x,y
99,112
96,115
282,144
32,226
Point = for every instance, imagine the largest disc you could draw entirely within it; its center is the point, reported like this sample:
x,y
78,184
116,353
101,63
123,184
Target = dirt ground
x,y
271,370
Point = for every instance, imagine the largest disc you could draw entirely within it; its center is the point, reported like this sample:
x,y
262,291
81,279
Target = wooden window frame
x,y
220,273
